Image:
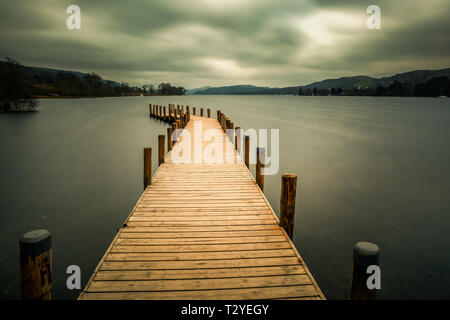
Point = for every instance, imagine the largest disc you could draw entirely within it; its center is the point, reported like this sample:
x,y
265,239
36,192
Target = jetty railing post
x,y
150,109
161,138
147,167
193,111
365,254
173,137
201,112
188,116
218,116
165,115
209,112
260,159
36,265
169,139
287,202
247,150
238,139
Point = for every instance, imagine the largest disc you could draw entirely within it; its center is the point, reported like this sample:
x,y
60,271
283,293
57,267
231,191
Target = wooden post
x,y
193,111
238,139
174,128
287,202
161,149
231,133
247,150
201,112
218,115
364,254
188,115
209,112
150,108
165,116
36,265
169,139
147,167
187,108
260,159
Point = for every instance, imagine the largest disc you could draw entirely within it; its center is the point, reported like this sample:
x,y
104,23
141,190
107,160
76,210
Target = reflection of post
x,y
147,167
287,202
365,254
169,139
161,149
260,159
247,150
36,265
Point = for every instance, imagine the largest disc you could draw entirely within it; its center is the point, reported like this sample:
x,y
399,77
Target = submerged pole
x,y
147,167
161,149
36,265
365,254
287,202
260,159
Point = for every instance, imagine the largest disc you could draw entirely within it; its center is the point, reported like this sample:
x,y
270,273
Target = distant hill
x,y
38,74
413,78
197,90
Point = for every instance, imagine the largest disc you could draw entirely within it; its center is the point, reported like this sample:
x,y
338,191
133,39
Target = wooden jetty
x,y
202,231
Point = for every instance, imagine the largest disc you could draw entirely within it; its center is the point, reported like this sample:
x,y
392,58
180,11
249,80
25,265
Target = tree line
x,y
20,84
435,87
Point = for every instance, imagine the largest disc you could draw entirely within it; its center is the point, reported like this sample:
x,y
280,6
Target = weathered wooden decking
x,y
202,232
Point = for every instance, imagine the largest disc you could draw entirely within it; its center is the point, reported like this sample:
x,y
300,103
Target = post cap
x,y
289,175
35,242
366,253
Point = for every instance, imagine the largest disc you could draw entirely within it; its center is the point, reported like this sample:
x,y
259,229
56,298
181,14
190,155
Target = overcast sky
x,y
225,42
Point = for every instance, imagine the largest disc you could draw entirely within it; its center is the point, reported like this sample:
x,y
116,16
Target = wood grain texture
x,y
202,231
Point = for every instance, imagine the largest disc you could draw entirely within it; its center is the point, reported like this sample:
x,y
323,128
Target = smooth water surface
x,y
372,169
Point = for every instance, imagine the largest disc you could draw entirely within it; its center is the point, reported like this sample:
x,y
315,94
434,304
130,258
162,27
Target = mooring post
x,y
161,138
218,116
36,265
260,159
193,111
169,139
188,115
174,128
247,150
365,254
238,139
287,202
150,109
165,116
187,108
201,112
209,112
231,133
147,167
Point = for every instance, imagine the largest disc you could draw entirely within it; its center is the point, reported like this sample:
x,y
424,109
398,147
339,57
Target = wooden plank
x,y
198,284
198,264
199,273
201,247
185,256
305,291
218,240
202,232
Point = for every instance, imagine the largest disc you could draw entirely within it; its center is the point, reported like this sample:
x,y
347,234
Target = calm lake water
x,y
373,169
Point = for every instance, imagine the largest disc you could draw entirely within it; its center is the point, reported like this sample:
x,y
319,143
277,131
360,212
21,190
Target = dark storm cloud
x,y
201,42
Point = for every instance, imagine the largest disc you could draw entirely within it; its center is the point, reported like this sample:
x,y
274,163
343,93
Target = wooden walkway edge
x,y
202,232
